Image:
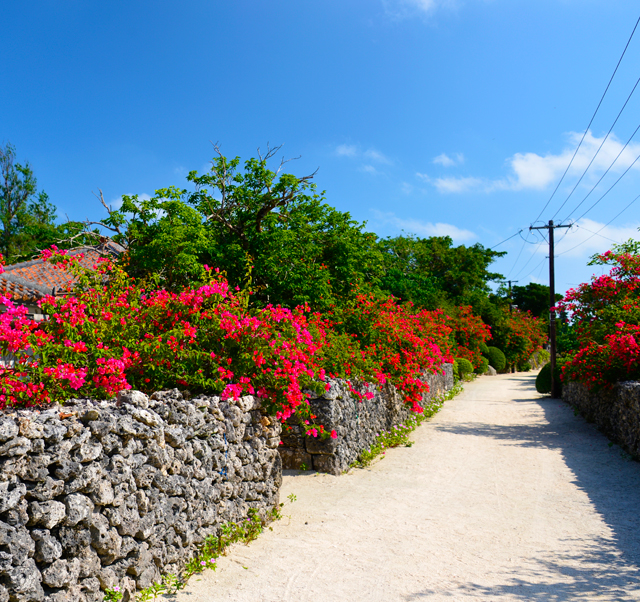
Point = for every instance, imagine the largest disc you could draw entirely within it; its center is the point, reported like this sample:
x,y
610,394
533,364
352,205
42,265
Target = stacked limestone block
x,y
357,423
615,412
99,494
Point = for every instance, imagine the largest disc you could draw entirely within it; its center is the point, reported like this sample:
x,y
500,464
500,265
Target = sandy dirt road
x,y
504,496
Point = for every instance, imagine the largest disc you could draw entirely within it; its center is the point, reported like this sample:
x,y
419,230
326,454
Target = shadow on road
x,y
606,567
599,576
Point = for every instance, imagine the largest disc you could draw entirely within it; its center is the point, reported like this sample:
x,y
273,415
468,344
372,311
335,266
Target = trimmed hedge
x,y
484,365
543,380
497,359
465,367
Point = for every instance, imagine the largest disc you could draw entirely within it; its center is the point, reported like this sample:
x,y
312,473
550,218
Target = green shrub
x,y
482,368
465,367
543,380
497,359
543,356
456,371
484,349
526,367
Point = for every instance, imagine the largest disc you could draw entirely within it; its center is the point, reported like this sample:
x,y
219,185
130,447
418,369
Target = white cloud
x,y
371,154
425,229
582,240
538,172
406,188
447,161
423,5
469,184
346,150
405,8
538,280
377,156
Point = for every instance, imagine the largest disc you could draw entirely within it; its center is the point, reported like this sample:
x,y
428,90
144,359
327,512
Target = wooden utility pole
x,y
510,298
552,301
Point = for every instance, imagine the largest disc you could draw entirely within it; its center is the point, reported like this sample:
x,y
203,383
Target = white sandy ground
x,y
505,495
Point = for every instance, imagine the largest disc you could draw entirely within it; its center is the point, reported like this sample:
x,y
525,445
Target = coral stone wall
x,y
99,494
357,423
616,413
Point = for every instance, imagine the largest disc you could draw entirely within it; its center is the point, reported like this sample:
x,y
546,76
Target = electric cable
x,y
505,240
529,260
540,265
524,241
591,120
599,148
603,227
604,174
610,188
517,258
535,242
598,233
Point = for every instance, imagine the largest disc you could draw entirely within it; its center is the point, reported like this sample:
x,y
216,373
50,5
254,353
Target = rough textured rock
x,y
357,423
99,494
538,359
616,413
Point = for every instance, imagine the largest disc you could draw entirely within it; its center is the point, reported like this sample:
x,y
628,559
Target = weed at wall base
x,y
212,548
399,434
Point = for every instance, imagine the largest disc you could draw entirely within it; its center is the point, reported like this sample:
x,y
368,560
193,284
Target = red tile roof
x,y
32,280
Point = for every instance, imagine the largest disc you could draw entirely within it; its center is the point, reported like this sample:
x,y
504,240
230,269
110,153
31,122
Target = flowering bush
x,y
469,332
378,341
113,333
606,319
518,334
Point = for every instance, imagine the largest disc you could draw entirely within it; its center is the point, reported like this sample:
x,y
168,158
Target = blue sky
x,y
434,117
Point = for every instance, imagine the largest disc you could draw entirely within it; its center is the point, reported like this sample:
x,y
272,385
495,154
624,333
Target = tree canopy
x,y
533,297
27,216
431,272
255,224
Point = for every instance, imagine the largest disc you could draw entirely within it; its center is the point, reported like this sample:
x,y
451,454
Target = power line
x,y
541,265
605,173
524,242
505,240
517,258
603,227
591,120
530,258
598,233
599,148
532,242
610,188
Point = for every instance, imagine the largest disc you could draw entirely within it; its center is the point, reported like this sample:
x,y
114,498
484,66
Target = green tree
x,y
431,272
300,249
17,190
533,297
167,240
26,215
